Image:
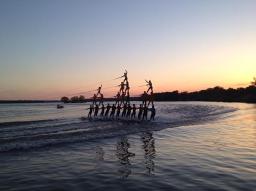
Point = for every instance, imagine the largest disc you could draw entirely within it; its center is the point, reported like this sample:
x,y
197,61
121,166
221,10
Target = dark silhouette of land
x,y
218,94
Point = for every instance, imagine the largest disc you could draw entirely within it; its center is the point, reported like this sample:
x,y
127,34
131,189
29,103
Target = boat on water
x,y
60,106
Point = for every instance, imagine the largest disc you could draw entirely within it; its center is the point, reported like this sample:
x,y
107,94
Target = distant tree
x,y
74,99
81,98
254,82
64,99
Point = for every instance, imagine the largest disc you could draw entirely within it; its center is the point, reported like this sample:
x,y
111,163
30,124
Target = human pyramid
x,y
122,108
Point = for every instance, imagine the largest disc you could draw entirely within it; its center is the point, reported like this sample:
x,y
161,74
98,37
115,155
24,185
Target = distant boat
x,y
60,106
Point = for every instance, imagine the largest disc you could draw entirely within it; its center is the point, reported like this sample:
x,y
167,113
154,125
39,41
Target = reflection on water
x,y
149,148
213,155
123,156
99,154
99,158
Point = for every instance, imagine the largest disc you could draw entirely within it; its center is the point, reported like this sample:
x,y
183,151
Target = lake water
x,y
190,146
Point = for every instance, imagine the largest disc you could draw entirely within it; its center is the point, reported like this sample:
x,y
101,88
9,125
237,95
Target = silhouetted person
x,y
151,99
102,110
90,111
107,110
129,109
96,109
101,98
133,111
150,86
127,100
144,98
118,109
94,99
145,113
118,96
123,98
140,111
124,110
98,90
125,76
127,88
153,113
121,90
112,114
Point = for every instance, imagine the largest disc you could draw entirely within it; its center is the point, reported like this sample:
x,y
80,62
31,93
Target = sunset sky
x,y
51,48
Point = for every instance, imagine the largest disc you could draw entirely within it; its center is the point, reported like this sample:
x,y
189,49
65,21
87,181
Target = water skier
x,y
107,110
153,113
118,109
127,101
123,98
98,90
101,98
113,111
90,111
96,110
140,111
150,86
94,99
145,113
121,90
151,99
144,97
129,109
125,76
124,110
118,97
127,87
133,111
102,110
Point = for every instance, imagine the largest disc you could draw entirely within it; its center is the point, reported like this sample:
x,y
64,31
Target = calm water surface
x,y
190,146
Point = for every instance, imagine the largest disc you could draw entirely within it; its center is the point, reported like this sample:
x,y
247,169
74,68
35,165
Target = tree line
x,y
219,94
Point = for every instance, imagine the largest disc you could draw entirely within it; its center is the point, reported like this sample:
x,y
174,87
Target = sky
x,y
52,48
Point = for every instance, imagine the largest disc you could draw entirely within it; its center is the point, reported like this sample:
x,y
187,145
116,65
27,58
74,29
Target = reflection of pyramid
x,y
122,152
